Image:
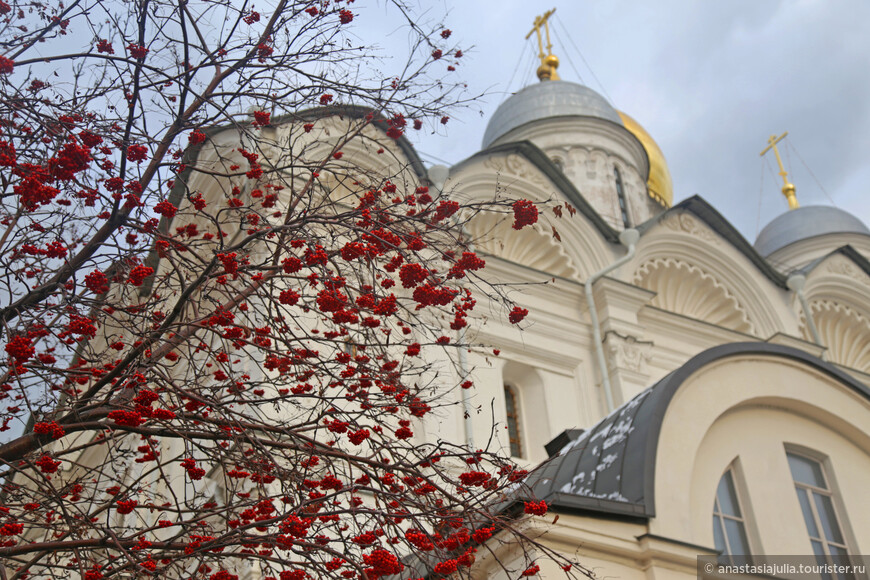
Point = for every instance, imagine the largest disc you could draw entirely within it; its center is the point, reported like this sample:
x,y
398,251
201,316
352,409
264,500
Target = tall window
x,y
729,529
817,505
620,194
513,421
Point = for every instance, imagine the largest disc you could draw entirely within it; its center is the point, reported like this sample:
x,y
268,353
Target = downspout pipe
x,y
627,238
438,175
796,283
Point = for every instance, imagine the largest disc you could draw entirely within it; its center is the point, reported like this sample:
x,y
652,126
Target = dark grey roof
x,y
848,252
804,223
610,468
545,100
598,470
695,204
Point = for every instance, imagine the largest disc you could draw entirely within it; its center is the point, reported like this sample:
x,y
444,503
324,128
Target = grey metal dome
x,y
544,100
804,223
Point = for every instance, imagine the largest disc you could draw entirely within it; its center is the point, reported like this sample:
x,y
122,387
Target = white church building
x,y
677,389
688,391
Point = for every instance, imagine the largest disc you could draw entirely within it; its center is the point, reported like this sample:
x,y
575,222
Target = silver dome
x,y
804,223
544,100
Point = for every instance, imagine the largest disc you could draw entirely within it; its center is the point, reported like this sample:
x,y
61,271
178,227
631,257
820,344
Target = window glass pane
x,y
513,435
825,509
821,559
727,496
805,470
808,513
620,195
736,537
719,535
841,557
512,422
509,401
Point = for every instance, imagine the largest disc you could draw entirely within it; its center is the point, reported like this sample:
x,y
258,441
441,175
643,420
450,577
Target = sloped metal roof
x,y
610,468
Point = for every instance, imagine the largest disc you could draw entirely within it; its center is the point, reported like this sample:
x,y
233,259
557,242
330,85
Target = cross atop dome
x,y
549,61
788,189
604,153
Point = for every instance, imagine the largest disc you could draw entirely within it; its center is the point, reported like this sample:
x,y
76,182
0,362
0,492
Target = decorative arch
x,y
755,407
686,289
371,157
844,331
582,249
680,236
840,310
531,246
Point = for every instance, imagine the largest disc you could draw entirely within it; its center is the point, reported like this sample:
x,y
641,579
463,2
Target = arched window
x,y
512,408
620,194
817,504
729,522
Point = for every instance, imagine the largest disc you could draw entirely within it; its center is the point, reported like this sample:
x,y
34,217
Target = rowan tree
x,y
230,296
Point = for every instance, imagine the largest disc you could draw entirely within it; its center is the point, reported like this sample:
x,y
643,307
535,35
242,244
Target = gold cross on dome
x,y
788,189
549,62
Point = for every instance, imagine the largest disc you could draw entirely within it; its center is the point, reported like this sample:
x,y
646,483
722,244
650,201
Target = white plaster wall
x,y
750,408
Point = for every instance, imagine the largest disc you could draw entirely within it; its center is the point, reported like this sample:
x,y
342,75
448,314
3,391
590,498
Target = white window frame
x,y
719,516
831,492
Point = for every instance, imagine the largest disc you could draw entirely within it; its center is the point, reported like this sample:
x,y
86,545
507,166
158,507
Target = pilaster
x,y
626,349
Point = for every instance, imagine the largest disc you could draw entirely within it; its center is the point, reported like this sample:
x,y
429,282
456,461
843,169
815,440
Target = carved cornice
x,y
685,222
795,342
842,266
618,305
518,166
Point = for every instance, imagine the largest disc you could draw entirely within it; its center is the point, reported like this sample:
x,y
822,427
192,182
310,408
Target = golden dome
x,y
659,183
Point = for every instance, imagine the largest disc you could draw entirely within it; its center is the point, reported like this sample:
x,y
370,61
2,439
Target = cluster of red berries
x,y
536,508
52,428
525,214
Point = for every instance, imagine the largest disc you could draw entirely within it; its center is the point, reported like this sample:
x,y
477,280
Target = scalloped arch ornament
x,y
686,289
531,247
844,331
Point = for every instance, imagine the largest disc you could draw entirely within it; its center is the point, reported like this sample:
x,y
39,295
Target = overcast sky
x,y
710,81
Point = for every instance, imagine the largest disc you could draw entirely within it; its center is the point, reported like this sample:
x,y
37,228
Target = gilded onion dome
x,y
659,182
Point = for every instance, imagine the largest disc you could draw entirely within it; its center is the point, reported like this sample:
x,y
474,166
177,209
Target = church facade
x,y
684,391
676,390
